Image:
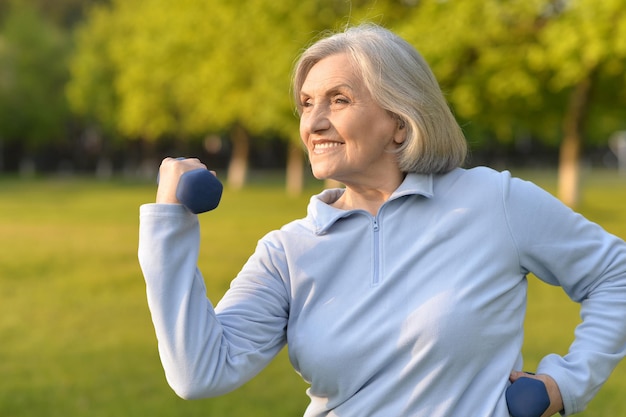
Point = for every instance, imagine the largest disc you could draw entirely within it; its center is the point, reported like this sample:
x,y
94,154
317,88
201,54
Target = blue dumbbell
x,y
198,190
527,397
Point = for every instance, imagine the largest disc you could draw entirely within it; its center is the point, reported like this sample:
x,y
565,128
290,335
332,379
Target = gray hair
x,y
401,82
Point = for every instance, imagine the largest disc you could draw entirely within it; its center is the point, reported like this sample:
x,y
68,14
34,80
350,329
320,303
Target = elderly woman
x,y
404,293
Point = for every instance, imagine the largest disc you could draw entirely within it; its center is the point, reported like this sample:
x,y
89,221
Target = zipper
x,y
376,256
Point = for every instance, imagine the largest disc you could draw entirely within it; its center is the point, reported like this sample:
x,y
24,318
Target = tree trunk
x,y
569,153
146,163
238,166
295,166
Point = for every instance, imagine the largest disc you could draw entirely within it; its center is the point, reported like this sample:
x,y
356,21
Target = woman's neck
x,y
368,198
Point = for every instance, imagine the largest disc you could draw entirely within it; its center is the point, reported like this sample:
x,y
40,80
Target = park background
x,y
94,93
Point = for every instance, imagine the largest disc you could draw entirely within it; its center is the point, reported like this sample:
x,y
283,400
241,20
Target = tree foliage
x,y
33,58
511,65
192,67
586,39
154,68
90,91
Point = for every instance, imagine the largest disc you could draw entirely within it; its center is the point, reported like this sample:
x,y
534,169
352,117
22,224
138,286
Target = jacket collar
x,y
324,215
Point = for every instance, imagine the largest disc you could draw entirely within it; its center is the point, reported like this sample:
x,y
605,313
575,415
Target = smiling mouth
x,y
322,147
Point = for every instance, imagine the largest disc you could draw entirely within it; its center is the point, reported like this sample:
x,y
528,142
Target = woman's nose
x,y
316,119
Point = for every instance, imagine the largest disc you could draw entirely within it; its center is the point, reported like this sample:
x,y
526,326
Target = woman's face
x,y
349,138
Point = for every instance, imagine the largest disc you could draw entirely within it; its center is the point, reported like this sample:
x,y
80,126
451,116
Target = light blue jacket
x,y
417,311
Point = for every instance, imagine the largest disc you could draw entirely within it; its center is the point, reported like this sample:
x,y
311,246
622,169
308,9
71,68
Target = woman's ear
x,y
400,133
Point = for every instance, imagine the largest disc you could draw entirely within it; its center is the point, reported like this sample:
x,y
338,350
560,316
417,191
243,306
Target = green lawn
x,y
75,333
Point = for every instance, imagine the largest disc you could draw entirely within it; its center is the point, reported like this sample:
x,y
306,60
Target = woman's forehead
x,y
334,71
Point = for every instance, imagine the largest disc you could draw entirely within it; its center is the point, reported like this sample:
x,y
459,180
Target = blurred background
x,y
94,93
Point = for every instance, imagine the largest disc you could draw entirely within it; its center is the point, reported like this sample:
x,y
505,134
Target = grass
x,y
75,334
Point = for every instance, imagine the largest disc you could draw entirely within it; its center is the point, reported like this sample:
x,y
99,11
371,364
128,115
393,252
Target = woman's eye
x,y
340,100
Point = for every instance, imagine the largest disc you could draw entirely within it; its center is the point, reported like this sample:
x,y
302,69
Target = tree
x,y
581,48
187,69
533,66
61,13
90,90
33,54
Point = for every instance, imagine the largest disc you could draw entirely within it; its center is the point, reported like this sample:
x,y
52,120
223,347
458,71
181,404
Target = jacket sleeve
x,y
205,353
563,248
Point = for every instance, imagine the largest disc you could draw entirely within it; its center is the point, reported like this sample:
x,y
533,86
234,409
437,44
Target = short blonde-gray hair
x,y
401,82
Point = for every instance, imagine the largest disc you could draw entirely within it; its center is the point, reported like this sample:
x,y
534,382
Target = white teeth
x,y
326,145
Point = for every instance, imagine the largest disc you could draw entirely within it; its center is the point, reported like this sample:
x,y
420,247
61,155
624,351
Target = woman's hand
x,y
556,401
169,174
